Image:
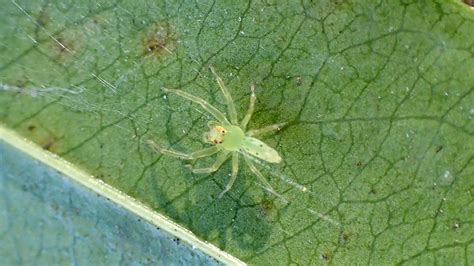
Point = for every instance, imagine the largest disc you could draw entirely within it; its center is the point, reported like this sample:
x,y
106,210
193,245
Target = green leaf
x,y
379,97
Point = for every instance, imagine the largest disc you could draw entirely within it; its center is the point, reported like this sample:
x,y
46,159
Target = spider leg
x,y
191,156
260,177
205,105
233,177
227,96
221,158
247,117
274,127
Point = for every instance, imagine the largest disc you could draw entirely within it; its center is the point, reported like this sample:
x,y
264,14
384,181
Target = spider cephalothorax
x,y
229,138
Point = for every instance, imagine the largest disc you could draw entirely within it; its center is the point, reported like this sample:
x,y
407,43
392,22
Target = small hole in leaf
x,y
456,225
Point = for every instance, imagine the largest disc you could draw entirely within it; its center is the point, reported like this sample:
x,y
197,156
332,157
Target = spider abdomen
x,y
260,150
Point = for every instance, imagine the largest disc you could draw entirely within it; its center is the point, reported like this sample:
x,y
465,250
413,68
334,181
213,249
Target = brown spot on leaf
x,y
160,40
65,46
267,207
48,144
20,83
43,137
469,3
345,238
42,18
299,81
98,20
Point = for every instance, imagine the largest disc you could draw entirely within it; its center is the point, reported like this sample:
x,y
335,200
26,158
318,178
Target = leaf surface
x,y
377,156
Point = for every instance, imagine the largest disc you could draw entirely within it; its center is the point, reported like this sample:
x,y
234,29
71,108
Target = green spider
x,y
228,137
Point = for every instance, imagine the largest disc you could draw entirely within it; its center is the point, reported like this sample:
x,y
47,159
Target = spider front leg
x,y
191,156
274,127
233,176
205,105
227,96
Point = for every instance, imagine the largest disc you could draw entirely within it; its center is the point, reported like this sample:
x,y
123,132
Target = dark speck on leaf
x,y
160,40
325,257
345,237
267,207
48,145
42,18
